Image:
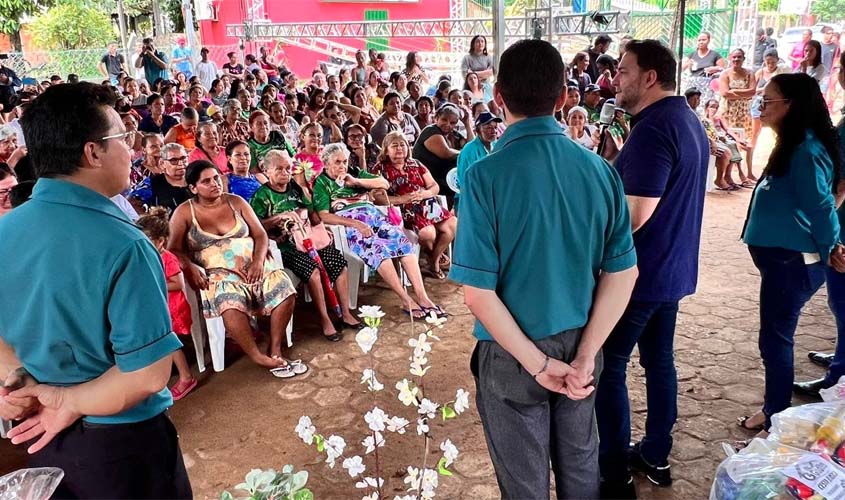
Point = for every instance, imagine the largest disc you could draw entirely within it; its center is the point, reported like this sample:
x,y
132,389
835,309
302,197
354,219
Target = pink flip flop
x,y
180,390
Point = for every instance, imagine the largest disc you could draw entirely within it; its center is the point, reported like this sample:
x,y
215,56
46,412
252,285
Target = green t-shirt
x,y
267,202
328,196
275,141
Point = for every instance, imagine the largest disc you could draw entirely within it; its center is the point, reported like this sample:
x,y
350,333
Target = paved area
x,y
243,418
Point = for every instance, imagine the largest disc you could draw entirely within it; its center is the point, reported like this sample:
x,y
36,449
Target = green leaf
x,y
226,496
447,412
287,469
303,495
441,467
321,442
299,480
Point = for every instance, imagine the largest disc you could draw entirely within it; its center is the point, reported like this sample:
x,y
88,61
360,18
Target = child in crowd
x,y
157,228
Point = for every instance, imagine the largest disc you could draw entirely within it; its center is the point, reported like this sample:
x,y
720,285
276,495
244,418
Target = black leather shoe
x,y
618,490
811,387
820,358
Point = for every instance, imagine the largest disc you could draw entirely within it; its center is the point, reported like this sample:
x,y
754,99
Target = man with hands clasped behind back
x,y
547,271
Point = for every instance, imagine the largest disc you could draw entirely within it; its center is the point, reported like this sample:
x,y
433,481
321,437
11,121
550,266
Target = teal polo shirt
x,y
84,291
540,218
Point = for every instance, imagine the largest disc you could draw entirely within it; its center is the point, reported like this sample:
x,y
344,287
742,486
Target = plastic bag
x,y
30,484
798,426
760,471
834,393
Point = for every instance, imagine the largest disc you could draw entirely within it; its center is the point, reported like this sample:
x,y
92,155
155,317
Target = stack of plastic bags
x,y
30,484
803,457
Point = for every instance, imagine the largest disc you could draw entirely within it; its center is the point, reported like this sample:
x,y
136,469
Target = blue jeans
x,y
651,326
786,284
836,301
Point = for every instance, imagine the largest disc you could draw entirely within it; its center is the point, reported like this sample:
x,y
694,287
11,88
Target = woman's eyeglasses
x,y
178,160
765,102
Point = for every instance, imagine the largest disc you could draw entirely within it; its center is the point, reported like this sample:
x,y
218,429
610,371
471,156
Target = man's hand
x,y
557,378
12,408
837,258
54,416
581,378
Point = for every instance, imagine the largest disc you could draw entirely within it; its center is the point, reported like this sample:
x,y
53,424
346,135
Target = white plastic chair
x,y
357,267
711,175
452,180
214,327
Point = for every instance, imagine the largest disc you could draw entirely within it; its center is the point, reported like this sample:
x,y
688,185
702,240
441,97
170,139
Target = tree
x,y
73,26
828,10
11,12
768,5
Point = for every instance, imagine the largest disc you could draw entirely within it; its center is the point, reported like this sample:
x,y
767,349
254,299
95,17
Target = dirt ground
x,y
243,418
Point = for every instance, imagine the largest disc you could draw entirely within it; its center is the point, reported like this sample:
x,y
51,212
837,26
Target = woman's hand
x,y
596,137
415,197
255,271
351,181
16,156
365,230
196,277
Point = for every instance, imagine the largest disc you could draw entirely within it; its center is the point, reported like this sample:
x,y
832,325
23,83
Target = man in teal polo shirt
x,y
87,318
545,254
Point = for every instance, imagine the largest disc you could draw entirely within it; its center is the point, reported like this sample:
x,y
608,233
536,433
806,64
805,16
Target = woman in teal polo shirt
x,y
792,229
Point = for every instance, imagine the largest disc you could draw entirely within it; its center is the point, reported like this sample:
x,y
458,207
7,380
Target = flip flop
x,y
437,310
741,421
180,391
298,366
415,313
428,273
283,371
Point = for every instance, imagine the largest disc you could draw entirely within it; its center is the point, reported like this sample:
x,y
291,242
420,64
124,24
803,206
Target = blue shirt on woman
x,y
797,211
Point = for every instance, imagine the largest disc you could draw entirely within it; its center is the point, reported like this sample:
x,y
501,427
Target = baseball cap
x,y
212,110
486,117
592,88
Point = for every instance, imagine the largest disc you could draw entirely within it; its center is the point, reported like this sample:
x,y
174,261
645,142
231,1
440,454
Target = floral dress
x,y
737,112
416,215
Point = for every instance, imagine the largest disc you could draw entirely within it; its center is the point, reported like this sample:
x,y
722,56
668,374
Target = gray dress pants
x,y
527,426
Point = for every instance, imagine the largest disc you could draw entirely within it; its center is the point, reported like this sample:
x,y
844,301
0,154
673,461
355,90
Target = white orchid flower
x,y
413,479
372,312
421,345
427,407
434,321
376,419
354,465
365,338
450,451
371,496
422,426
370,482
397,424
417,369
407,393
428,483
305,430
371,442
369,377
334,449
461,401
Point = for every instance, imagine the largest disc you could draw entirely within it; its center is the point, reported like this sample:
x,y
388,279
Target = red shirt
x,y
180,311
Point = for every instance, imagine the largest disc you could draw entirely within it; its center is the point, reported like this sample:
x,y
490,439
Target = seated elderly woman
x,y
263,138
345,200
415,190
167,189
221,234
279,204
233,127
209,148
578,130
10,152
150,163
185,132
439,146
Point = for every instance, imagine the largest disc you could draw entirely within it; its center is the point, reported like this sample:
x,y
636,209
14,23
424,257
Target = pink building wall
x,y
303,61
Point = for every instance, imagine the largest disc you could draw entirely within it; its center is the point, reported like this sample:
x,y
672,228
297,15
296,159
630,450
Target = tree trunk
x,y
15,38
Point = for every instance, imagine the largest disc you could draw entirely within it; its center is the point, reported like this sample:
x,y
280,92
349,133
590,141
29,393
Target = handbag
x,y
318,235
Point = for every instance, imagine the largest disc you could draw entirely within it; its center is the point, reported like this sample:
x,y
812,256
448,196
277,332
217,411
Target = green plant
x,y
273,485
73,26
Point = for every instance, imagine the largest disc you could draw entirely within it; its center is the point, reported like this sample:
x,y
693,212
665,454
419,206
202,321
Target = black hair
x,y
152,98
391,95
410,63
393,77
20,193
312,99
807,111
530,77
654,55
61,121
5,171
818,59
232,145
472,44
195,170
189,114
72,78
607,61
234,88
146,136
771,53
426,99
602,39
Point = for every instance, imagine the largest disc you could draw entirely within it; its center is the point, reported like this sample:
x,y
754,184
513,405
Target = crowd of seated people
x,y
262,159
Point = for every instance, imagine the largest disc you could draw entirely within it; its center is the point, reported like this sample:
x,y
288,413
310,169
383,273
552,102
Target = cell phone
x,y
5,427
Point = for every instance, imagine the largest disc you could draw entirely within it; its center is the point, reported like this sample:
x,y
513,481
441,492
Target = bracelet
x,y
545,365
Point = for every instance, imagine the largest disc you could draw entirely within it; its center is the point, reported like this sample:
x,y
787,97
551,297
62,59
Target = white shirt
x,y
124,205
206,72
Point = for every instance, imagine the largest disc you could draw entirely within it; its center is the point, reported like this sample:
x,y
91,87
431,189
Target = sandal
x,y
437,310
748,184
739,445
741,421
298,366
438,275
290,368
445,261
415,313
180,390
285,371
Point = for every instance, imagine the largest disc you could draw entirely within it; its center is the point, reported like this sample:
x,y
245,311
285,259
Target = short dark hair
x,y
20,193
530,77
61,121
391,95
73,78
654,55
602,39
196,168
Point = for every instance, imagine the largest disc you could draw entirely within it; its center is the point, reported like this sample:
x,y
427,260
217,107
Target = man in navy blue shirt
x,y
663,168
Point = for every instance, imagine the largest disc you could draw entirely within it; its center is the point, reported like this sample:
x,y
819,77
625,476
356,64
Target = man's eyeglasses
x,y
764,102
125,135
177,160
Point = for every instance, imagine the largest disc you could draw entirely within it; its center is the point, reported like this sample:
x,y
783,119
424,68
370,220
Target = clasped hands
x,y
837,258
573,380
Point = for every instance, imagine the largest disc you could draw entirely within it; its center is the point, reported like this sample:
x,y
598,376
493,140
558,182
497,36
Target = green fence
x,y
718,22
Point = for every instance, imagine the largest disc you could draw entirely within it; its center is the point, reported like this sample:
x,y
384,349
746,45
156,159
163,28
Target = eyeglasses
x,y
765,102
177,160
124,135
